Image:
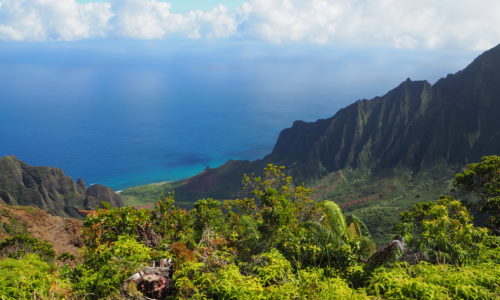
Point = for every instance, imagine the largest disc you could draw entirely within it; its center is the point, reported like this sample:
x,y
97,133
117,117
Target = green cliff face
x,y
415,125
49,189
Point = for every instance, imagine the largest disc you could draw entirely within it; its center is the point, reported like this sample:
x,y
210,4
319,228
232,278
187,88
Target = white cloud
x,y
150,19
39,20
471,24
67,20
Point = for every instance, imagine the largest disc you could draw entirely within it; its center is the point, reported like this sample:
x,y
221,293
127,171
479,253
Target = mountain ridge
x,y
414,125
49,189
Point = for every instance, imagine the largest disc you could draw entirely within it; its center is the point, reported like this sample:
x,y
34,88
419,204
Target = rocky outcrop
x,y
98,193
49,189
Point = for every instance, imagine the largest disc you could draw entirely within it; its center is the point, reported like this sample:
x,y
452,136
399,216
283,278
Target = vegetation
x,y
483,178
274,242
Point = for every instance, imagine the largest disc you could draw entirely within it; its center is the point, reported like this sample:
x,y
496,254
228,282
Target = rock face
x,y
97,193
415,125
49,189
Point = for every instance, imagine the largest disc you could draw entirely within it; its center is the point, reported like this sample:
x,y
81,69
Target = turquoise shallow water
x,y
129,113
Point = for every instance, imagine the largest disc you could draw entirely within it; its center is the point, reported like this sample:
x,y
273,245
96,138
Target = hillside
x,y
49,189
417,132
62,233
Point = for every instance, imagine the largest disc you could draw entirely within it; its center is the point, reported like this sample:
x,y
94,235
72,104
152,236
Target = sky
x,y
187,5
422,24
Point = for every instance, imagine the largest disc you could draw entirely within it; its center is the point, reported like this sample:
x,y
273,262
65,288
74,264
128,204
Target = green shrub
x,y
313,284
271,268
426,281
20,245
108,266
31,277
444,230
106,225
229,283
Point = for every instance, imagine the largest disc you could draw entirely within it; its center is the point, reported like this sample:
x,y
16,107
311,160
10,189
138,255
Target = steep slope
x,y
414,127
377,133
49,189
62,233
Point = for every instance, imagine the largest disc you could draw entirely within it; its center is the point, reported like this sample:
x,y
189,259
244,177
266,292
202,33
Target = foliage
x,y
11,225
444,229
269,281
66,257
106,225
20,245
340,243
315,284
107,266
193,282
427,281
270,267
377,198
483,178
271,215
274,243
171,223
31,277
208,216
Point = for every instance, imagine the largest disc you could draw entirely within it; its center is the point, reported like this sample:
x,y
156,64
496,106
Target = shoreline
x,y
147,184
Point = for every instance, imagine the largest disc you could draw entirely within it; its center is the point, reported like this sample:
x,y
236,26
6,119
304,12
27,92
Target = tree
x,y
106,225
208,218
444,230
271,213
173,224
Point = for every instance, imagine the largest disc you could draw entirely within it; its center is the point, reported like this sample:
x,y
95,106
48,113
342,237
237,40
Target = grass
x,y
148,194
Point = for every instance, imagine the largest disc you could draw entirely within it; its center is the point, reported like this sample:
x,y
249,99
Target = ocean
x,y
127,113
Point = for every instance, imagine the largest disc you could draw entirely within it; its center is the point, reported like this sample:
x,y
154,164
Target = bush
x,y
20,245
444,229
313,284
271,268
426,281
108,266
31,277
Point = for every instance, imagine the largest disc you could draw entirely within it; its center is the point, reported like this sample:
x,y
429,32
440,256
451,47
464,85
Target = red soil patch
x,y
145,206
62,233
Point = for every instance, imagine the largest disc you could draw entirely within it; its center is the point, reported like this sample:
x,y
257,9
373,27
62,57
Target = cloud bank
x,y
468,24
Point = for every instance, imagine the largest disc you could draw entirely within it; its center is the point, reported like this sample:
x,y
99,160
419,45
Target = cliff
x,y
49,189
414,126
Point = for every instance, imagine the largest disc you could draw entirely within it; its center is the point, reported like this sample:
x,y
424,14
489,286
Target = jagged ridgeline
x,y
416,129
49,189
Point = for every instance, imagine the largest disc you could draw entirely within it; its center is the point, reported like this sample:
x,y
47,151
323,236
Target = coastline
x,y
147,184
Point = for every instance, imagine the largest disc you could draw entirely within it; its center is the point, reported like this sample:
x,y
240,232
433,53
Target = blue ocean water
x,y
126,113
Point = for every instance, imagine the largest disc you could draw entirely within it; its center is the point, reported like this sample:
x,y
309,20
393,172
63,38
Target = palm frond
x,y
323,235
356,227
251,228
335,219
